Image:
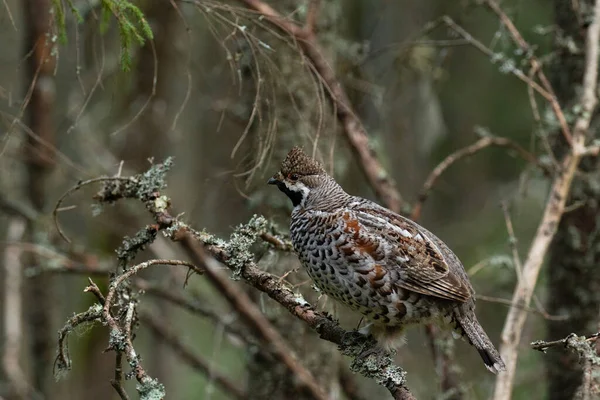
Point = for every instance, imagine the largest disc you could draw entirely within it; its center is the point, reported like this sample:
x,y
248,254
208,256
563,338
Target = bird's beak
x,y
275,179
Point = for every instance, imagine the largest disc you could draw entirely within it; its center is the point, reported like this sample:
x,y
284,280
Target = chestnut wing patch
x,y
422,264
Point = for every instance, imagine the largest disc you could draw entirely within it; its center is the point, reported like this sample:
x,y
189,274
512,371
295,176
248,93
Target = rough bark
x,y
573,279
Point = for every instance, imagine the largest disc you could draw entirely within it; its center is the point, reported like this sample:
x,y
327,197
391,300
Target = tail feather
x,y
479,339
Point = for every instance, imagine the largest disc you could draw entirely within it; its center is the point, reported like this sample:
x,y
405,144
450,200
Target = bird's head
x,y
299,176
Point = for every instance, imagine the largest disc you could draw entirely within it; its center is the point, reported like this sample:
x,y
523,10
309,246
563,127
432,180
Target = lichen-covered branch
x,y
236,255
589,358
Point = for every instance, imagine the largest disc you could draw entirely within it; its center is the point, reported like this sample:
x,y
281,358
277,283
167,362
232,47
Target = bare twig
x,y
62,362
481,144
79,185
543,313
536,66
512,241
488,52
278,243
355,133
513,327
95,290
117,382
186,354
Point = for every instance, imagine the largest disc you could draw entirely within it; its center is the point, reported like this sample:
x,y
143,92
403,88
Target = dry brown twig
x,y
555,206
535,65
117,382
512,241
482,143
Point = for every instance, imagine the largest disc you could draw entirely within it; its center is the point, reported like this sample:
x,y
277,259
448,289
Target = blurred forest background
x,y
227,93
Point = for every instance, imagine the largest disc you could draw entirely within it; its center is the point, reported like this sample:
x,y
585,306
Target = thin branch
x,y
12,311
62,198
488,52
187,355
62,363
95,290
117,382
543,313
512,241
542,345
586,349
311,16
536,66
470,150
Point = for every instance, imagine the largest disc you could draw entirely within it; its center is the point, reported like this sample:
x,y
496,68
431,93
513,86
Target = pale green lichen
x,y
153,180
132,246
117,340
161,203
240,242
151,389
378,366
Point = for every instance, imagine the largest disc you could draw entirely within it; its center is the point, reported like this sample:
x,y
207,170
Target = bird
x,y
378,263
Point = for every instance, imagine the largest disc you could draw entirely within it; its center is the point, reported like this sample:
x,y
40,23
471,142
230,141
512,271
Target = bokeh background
x,y
227,94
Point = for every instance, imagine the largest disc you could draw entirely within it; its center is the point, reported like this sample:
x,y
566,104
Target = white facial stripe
x,y
298,187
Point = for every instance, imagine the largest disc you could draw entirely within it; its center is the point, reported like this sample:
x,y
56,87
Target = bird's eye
x,y
293,177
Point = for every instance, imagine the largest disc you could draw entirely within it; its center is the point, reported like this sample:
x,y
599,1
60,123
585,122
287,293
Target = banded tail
x,y
480,340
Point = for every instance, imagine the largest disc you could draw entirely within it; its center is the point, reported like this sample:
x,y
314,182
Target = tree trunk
x,y
39,160
573,278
